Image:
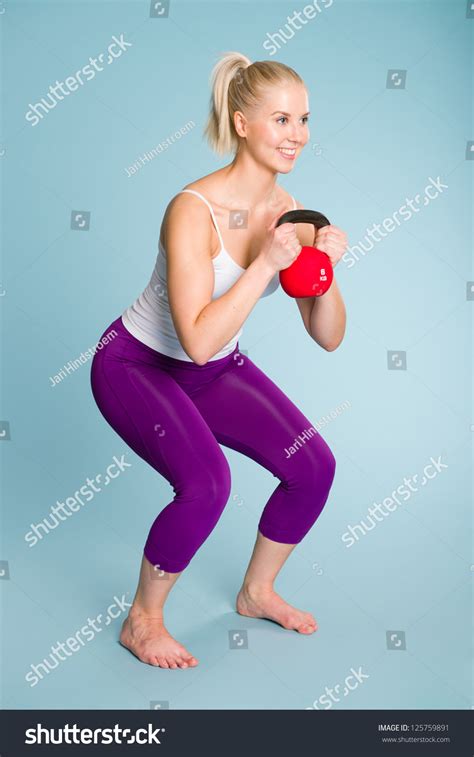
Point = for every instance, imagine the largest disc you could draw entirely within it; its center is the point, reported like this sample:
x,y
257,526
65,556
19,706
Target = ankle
x,y
139,610
257,588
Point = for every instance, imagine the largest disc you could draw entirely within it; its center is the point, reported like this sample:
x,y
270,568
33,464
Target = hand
x,y
332,241
281,246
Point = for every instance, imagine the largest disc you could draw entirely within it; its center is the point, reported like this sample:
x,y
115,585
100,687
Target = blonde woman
x,y
173,384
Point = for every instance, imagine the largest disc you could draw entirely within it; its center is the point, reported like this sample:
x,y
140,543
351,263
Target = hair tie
x,y
238,76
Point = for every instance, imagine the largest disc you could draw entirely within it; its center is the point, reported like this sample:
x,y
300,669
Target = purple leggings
x,y
175,414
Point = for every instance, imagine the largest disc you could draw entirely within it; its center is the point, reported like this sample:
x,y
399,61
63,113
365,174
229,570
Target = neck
x,y
249,184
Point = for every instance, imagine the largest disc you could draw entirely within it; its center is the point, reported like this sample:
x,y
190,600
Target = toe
x,y
187,657
163,662
173,664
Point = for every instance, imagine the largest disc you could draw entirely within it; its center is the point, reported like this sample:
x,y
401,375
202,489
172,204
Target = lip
x,y
287,157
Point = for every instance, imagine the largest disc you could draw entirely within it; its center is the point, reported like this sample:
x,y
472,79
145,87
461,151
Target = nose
x,y
295,134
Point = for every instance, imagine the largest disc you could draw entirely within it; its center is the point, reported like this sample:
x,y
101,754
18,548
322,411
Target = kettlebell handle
x,y
304,216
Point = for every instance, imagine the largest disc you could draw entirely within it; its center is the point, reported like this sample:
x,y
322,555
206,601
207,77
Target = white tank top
x,y
149,319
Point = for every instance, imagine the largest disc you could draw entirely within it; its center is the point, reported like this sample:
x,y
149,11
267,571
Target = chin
x,y
285,166
284,169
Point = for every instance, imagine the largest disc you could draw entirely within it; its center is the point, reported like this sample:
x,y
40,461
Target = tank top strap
x,y
193,191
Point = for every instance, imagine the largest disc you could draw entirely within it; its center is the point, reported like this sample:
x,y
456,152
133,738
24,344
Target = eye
x,y
304,119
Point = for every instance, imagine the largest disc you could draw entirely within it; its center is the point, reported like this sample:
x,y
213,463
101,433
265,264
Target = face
x,y
276,133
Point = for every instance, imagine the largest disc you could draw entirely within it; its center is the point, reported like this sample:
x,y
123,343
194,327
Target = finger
x,y
329,240
327,232
331,227
331,233
287,228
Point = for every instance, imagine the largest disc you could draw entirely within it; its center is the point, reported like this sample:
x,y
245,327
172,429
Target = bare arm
x,y
324,317
203,325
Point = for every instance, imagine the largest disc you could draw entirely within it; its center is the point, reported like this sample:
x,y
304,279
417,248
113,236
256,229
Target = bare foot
x,y
266,603
149,640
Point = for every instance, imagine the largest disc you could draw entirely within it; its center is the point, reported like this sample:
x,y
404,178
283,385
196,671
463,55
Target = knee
x,y
210,489
218,483
329,462
316,467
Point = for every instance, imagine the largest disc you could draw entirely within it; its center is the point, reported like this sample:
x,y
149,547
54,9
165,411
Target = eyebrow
x,y
287,114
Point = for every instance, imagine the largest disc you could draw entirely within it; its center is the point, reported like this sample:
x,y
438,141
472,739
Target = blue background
x,y
371,147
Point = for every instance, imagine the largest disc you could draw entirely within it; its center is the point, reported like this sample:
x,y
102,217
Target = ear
x,y
240,123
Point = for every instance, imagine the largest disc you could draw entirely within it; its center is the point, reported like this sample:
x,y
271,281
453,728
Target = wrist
x,y
262,265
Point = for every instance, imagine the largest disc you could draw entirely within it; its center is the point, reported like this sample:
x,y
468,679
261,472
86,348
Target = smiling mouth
x,y
287,152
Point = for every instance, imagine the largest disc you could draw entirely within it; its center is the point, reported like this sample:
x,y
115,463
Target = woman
x,y
172,382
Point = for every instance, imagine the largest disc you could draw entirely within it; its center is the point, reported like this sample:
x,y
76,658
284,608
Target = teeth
x,y
287,150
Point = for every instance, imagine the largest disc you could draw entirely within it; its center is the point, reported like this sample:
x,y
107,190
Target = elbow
x,y
192,350
331,346
199,360
196,356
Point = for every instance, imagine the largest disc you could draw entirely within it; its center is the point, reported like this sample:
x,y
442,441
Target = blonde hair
x,y
238,84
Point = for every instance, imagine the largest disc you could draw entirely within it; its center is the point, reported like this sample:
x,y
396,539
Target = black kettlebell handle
x,y
304,216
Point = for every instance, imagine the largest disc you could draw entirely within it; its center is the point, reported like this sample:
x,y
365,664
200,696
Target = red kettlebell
x,y
311,274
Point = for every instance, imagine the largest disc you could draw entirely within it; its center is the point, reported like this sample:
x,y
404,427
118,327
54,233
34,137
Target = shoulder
x,y
185,202
189,200
186,214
